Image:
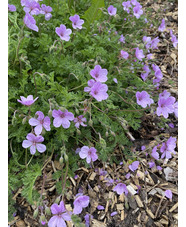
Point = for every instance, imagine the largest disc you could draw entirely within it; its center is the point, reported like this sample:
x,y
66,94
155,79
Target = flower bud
x,y
117,17
78,132
58,199
106,134
112,133
90,122
50,113
35,213
63,149
77,111
61,160
24,120
47,210
62,108
43,219
66,157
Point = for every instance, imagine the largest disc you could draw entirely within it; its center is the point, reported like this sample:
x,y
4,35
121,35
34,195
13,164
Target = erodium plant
x,y
91,72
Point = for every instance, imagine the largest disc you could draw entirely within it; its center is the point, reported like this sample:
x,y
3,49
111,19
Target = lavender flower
x,y
149,56
88,153
76,21
134,2
171,125
113,213
122,39
133,166
120,188
143,148
98,91
162,26
79,121
60,215
11,8
30,22
126,6
154,153
40,123
165,94
80,202
168,148
154,43
87,219
27,101
34,142
143,99
137,10
46,10
63,33
151,164
127,175
165,106
168,194
99,207
124,54
111,10
62,118
147,41
174,41
176,109
139,54
99,74
32,7
115,80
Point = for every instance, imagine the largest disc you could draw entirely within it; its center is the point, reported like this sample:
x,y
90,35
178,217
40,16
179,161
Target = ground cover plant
x,y
84,78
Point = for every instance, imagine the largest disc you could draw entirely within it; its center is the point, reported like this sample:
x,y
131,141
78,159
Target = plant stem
x,y
26,158
66,172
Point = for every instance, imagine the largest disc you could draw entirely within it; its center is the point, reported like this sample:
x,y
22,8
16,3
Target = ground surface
x,y
147,207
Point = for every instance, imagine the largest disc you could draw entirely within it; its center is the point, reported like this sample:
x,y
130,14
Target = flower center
x,y
62,115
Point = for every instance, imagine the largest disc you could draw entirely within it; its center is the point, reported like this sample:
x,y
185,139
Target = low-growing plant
x,y
80,78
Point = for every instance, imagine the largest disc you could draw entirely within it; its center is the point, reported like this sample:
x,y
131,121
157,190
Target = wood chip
x,y
131,190
174,207
20,223
122,197
122,215
150,213
138,200
120,206
92,176
96,223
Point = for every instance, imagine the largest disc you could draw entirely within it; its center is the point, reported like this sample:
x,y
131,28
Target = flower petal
x,y
57,122
38,129
33,122
41,147
26,143
33,149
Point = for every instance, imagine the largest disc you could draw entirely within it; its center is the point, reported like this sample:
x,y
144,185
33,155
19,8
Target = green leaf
x,y
93,13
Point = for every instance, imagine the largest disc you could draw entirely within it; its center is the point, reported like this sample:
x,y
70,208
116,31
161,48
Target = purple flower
x,y
98,91
27,101
176,109
171,125
79,121
174,41
76,21
99,207
137,10
63,33
139,54
40,123
90,84
112,11
30,22
147,41
168,194
62,118
144,76
46,10
34,142
99,74
60,215
165,94
88,153
154,153
162,26
11,8
87,219
80,202
122,39
146,68
154,43
126,6
134,2
143,148
120,188
113,213
143,99
165,106
159,168
124,54
149,56
158,74
127,175
151,164
32,7
168,148
115,80
133,166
